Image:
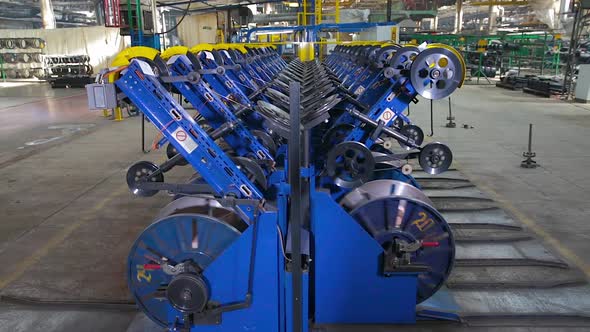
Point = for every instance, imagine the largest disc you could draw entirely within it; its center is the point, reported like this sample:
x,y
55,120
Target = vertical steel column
x,y
388,15
337,17
139,14
435,22
295,215
229,28
459,16
47,16
491,18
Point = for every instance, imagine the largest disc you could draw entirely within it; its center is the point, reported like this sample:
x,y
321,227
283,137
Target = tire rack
x,y
21,58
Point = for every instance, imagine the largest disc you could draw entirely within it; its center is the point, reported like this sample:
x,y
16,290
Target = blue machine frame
x,y
329,268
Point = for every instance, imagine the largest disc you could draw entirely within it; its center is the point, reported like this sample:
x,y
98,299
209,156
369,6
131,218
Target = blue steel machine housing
x,y
223,255
216,113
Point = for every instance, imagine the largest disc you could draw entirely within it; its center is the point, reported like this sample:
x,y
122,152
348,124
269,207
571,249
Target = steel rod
x,y
295,214
530,137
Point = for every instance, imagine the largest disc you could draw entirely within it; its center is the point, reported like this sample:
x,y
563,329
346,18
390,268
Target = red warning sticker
x,y
386,116
181,135
185,140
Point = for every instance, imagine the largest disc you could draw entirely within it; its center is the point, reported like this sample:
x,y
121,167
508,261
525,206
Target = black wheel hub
x,y
188,292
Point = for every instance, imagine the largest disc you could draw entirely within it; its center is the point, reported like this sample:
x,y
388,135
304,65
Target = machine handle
x,y
151,267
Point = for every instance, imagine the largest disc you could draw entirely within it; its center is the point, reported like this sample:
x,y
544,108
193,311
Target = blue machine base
x,y
349,288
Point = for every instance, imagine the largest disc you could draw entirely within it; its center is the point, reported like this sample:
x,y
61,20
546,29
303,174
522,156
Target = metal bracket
x,y
377,131
177,188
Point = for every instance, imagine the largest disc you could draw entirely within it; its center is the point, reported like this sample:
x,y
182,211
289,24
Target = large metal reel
x,y
388,210
350,164
266,140
402,60
436,72
275,118
181,235
252,170
383,55
335,135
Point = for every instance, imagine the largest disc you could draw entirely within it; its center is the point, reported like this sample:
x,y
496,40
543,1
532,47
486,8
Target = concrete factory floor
x,y
68,219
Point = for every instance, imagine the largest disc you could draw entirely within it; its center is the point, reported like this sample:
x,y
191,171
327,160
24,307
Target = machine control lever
x,y
398,256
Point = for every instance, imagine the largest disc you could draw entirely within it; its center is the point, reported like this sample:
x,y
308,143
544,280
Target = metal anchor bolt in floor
x,y
529,155
451,123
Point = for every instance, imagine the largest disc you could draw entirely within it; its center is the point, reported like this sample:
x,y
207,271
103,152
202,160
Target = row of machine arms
x,y
320,151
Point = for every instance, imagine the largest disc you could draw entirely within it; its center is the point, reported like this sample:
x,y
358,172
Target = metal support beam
x,y
170,4
491,18
388,16
435,23
216,8
295,215
459,16
47,15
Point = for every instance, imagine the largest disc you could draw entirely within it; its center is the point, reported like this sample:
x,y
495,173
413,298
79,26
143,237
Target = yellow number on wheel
x,y
142,274
423,223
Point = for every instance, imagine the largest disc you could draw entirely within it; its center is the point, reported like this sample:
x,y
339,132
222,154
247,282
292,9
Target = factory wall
x,y
196,29
99,43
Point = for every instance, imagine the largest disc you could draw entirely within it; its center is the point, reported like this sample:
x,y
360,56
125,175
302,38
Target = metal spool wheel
x,y
171,152
252,170
202,205
158,65
385,53
350,164
435,158
11,73
277,96
11,57
275,118
335,135
402,60
393,210
142,171
436,72
191,238
26,73
371,54
321,108
414,132
266,140
25,57
9,44
21,43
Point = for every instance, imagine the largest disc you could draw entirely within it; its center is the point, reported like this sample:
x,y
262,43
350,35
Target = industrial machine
x,y
301,212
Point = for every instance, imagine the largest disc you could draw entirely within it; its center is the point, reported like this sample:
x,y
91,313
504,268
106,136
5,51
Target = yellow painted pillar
x,y
306,51
118,114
